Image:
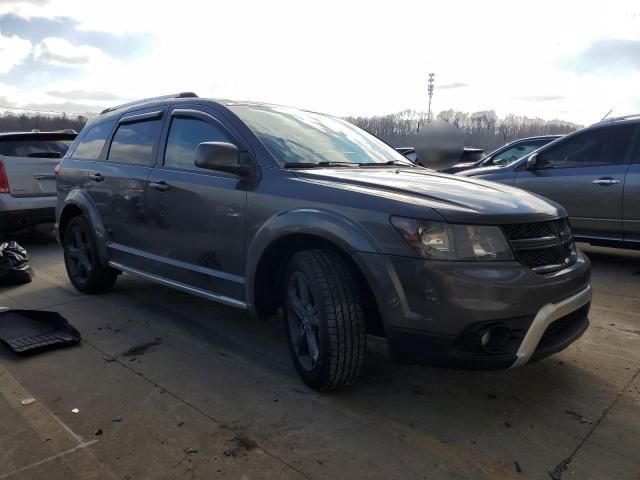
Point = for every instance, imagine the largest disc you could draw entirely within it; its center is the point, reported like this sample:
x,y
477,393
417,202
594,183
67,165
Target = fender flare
x,y
82,200
330,226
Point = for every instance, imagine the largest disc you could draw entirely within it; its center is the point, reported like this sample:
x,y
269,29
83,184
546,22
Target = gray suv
x,y
276,210
27,177
594,173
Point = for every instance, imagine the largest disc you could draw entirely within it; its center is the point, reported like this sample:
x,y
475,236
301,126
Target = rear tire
x,y
324,319
82,261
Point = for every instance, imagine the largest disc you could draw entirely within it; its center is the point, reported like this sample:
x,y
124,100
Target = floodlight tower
x,y
430,91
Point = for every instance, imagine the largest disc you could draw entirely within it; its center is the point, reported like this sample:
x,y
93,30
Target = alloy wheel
x,y
303,321
79,254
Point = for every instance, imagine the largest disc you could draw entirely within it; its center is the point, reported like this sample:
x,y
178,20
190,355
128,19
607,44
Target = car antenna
x,y
608,113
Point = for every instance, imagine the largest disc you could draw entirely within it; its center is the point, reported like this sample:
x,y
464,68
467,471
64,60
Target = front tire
x,y
324,319
82,261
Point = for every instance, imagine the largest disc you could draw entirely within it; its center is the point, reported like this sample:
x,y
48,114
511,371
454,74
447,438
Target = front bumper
x,y
436,312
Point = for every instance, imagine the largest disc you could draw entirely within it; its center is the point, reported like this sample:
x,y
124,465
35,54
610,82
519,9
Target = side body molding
x,y
330,226
81,199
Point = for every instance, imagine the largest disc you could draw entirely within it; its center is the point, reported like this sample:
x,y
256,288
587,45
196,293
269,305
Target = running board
x,y
180,286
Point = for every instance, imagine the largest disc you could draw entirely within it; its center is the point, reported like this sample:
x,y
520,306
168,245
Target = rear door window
x,y
597,147
185,134
93,141
135,142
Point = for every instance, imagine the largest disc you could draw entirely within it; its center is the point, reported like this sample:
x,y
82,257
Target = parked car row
x,y
272,209
594,173
504,155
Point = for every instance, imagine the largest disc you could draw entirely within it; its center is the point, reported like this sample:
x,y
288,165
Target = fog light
x,y
494,339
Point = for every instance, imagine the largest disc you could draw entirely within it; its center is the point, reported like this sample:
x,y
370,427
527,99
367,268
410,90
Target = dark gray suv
x,y
273,209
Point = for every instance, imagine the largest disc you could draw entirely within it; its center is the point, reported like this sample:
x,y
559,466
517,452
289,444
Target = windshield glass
x,y
298,137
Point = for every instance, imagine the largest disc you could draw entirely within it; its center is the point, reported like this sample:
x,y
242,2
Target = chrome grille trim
x,y
542,246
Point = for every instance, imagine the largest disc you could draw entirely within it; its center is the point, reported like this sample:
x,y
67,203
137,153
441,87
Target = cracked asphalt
x,y
169,386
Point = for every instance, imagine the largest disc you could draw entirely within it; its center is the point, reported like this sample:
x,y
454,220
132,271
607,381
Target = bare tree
x,y
482,129
11,122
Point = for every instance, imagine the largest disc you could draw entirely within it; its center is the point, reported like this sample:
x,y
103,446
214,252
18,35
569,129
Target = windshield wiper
x,y
384,164
319,164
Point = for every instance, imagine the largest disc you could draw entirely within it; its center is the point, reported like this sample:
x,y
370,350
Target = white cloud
x,y
60,51
79,94
13,50
355,57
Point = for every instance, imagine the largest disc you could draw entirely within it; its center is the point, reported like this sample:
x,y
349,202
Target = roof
x,y
184,96
66,131
538,137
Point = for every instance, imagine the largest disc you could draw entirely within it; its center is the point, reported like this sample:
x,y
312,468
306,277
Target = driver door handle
x,y
606,181
161,186
96,177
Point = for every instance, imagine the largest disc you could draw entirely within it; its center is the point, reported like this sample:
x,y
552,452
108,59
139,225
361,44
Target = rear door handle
x,y
606,181
160,186
96,177
44,176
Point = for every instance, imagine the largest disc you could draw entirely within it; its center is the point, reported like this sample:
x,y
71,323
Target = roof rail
x,y
162,97
619,119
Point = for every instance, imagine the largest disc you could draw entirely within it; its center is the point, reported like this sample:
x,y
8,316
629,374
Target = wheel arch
x,y
79,202
281,237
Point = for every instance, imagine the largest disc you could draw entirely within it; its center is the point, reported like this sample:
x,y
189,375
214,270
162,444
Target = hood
x,y
481,171
458,166
455,198
463,164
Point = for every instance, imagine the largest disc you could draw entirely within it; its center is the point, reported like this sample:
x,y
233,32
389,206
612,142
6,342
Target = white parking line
x,y
66,427
48,459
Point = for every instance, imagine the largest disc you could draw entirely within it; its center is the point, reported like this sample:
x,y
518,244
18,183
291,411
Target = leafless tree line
x,y
482,129
24,122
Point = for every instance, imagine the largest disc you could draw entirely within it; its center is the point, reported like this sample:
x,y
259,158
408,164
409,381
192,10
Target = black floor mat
x,y
26,331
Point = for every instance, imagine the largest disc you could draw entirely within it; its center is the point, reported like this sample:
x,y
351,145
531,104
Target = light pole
x,y
430,91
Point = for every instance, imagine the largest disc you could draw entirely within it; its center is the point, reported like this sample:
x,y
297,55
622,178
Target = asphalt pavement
x,y
170,386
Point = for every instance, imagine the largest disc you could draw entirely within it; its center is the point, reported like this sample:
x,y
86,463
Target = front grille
x,y
545,256
543,246
524,231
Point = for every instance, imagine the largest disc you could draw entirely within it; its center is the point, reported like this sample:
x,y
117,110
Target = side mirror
x,y
221,156
532,161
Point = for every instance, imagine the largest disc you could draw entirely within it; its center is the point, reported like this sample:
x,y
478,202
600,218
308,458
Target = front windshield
x,y
298,137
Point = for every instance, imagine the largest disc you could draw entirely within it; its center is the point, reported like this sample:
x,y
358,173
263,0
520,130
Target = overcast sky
x,y
572,60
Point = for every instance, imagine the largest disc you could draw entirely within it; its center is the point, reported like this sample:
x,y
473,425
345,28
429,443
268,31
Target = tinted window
x,y
602,146
512,154
92,142
38,147
185,135
134,142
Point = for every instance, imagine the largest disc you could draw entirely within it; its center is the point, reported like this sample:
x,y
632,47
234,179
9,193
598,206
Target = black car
x,y
504,155
272,209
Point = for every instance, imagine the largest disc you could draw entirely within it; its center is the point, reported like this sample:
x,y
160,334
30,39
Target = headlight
x,y
445,241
